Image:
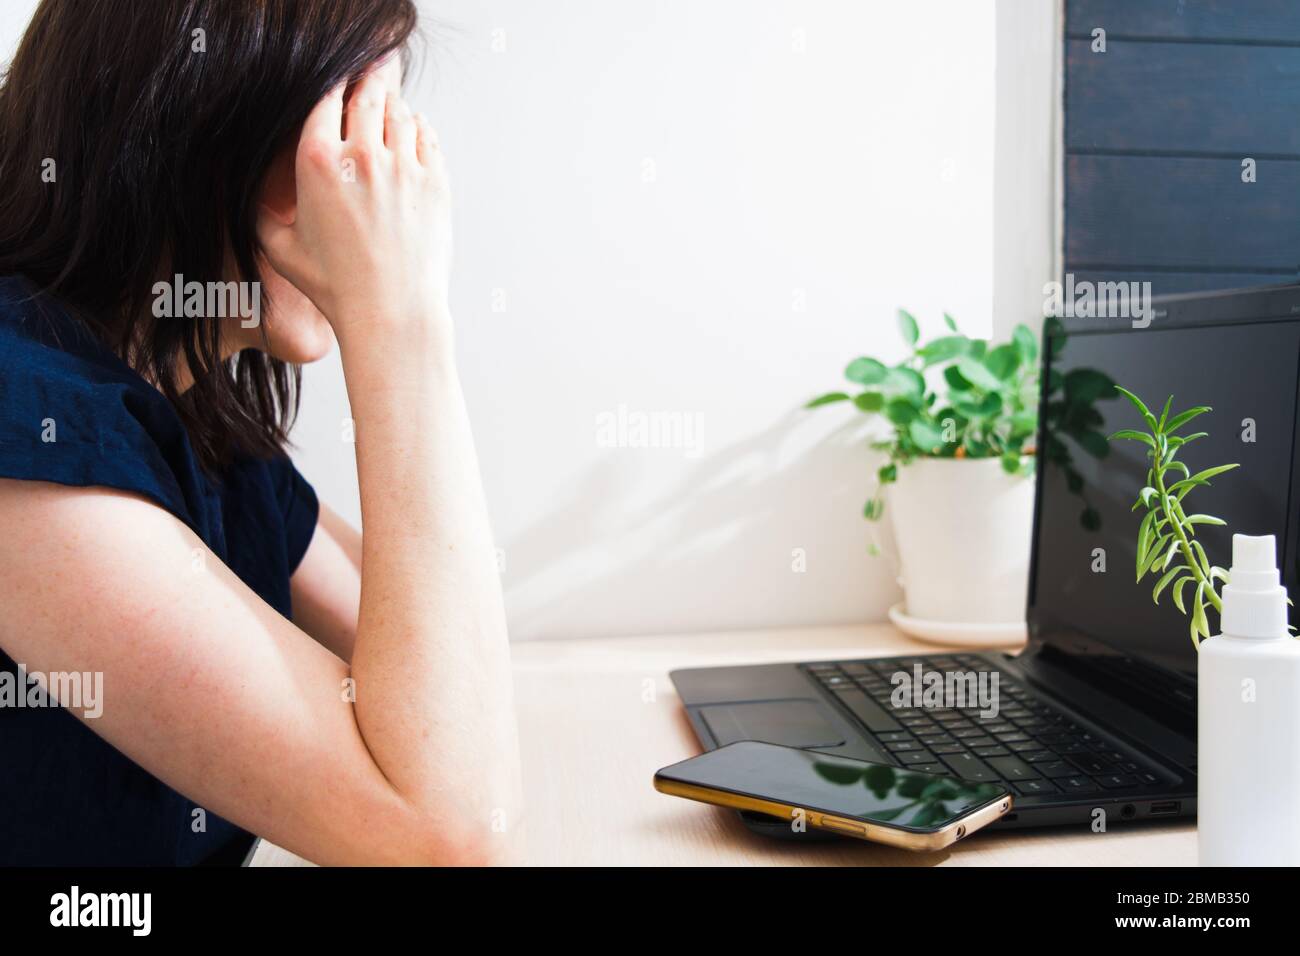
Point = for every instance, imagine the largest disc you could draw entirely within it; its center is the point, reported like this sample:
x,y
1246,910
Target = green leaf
x,y
866,371
1128,434
1003,362
1178,421
1140,406
901,411
906,380
908,327
1156,554
1201,557
1164,582
944,349
870,401
926,436
1180,488
1024,341
1169,556
1209,473
827,399
1199,623
1178,590
1204,519
976,373
1144,540
949,321
956,381
1164,414
887,473
873,509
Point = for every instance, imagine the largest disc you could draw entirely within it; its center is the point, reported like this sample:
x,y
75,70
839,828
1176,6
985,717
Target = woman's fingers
x,y
365,112
325,122
399,128
426,146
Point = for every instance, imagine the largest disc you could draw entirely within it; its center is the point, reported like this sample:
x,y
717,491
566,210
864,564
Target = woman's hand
x,y
371,241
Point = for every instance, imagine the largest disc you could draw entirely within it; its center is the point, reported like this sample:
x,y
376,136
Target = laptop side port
x,y
1167,808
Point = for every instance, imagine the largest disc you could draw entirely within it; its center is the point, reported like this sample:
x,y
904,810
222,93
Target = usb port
x,y
1166,808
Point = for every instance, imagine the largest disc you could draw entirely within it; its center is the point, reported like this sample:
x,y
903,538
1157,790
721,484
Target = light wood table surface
x,y
598,717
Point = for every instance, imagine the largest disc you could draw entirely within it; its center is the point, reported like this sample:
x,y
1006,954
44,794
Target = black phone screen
x,y
874,792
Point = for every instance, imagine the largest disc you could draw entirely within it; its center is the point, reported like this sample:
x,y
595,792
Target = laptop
x,y
1099,709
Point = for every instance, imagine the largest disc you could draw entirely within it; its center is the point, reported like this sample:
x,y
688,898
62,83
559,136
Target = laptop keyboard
x,y
1030,746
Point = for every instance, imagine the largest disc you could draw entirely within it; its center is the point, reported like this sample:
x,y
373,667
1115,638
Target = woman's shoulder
x,y
73,413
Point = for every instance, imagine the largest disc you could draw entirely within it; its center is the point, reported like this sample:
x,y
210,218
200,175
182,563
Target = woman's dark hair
x,y
161,120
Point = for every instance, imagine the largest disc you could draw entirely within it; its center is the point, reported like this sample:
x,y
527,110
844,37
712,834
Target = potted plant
x,y
1248,673
957,473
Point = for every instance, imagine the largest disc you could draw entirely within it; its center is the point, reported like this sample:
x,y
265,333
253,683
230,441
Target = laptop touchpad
x,y
794,723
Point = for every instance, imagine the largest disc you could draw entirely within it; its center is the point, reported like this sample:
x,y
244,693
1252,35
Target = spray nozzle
x,y
1254,602
1254,562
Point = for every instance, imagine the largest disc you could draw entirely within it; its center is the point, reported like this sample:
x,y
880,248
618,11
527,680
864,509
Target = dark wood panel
x,y
1199,98
1140,212
1168,283
1267,21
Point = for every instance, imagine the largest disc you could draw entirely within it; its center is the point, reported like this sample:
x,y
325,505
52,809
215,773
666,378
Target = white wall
x,y
699,207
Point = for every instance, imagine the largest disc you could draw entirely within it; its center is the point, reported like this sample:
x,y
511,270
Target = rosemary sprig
x,y
1167,543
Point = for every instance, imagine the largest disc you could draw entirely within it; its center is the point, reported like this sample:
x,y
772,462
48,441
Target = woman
x,y
264,671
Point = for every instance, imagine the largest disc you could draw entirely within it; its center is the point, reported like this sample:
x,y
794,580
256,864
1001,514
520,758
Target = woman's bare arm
x,y
407,755
326,587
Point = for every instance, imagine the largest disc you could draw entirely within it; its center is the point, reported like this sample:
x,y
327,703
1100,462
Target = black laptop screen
x,y
1247,373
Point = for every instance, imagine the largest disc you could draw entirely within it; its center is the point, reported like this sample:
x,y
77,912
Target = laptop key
x,y
902,746
1038,756
1029,788
916,757
893,737
1055,768
1076,784
868,711
1117,781
991,751
969,767
930,768
1090,764
947,748
1012,768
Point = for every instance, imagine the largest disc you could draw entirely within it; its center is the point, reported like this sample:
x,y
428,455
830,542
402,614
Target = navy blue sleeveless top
x,y
67,797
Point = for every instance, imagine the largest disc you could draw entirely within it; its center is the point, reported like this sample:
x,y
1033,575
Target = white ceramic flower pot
x,y
963,529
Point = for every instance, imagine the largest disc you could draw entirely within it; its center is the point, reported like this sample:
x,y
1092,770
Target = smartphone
x,y
871,801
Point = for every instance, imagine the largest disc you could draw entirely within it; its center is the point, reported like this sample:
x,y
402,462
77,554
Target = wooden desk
x,y
598,717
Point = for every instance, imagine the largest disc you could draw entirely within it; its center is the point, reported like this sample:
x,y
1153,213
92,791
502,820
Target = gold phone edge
x,y
845,826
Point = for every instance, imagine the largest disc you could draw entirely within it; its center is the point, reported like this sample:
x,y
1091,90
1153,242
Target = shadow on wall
x,y
766,532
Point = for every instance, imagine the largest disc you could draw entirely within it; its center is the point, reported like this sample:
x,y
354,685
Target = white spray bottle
x,y
1248,720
